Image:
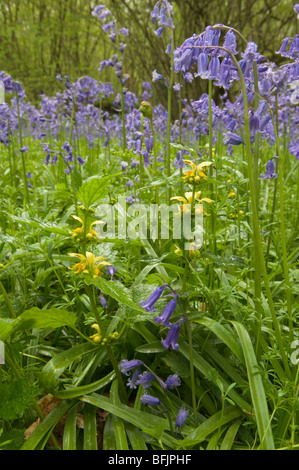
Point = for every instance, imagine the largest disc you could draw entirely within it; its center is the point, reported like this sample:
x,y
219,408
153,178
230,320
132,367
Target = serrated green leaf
x,y
94,189
37,318
116,290
16,397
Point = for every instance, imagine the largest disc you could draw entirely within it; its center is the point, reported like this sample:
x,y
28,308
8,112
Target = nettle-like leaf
x,y
16,397
94,189
37,318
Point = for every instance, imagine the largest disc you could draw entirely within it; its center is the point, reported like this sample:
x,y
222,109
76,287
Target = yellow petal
x,y
206,199
203,164
78,218
178,198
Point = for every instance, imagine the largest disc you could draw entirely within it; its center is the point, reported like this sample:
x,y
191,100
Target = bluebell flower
x,y
171,340
111,270
214,67
166,314
149,400
103,301
230,42
181,417
202,66
158,32
132,382
156,76
270,170
149,304
173,381
232,139
81,160
124,165
145,379
126,366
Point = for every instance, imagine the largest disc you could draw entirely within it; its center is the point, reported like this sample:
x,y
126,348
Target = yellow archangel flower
x,y
97,337
197,171
79,232
187,201
88,264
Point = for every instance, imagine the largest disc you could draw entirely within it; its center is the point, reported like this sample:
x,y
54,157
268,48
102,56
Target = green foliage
x,y
16,397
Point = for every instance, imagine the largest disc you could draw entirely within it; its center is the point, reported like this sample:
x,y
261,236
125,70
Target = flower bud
x,y
146,109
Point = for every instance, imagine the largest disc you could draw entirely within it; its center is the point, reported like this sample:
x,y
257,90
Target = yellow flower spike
x,y
96,337
200,167
232,194
197,171
187,199
96,327
178,251
92,232
88,264
78,231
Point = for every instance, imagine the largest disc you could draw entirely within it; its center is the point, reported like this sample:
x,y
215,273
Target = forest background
x,y
40,39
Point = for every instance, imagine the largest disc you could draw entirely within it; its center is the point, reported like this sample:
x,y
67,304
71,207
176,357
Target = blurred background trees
x,y
42,38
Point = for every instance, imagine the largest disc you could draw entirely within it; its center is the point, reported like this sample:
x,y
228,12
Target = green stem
x,y
90,292
26,194
189,333
256,229
7,300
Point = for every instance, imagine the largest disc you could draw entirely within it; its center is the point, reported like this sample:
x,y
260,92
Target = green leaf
x,y
70,429
224,334
16,397
213,423
143,420
39,224
116,290
257,391
39,436
90,427
94,189
75,392
37,318
55,367
118,423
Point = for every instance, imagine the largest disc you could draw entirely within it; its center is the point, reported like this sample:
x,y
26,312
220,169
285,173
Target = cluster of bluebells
x,y
66,152
171,340
109,27
138,377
